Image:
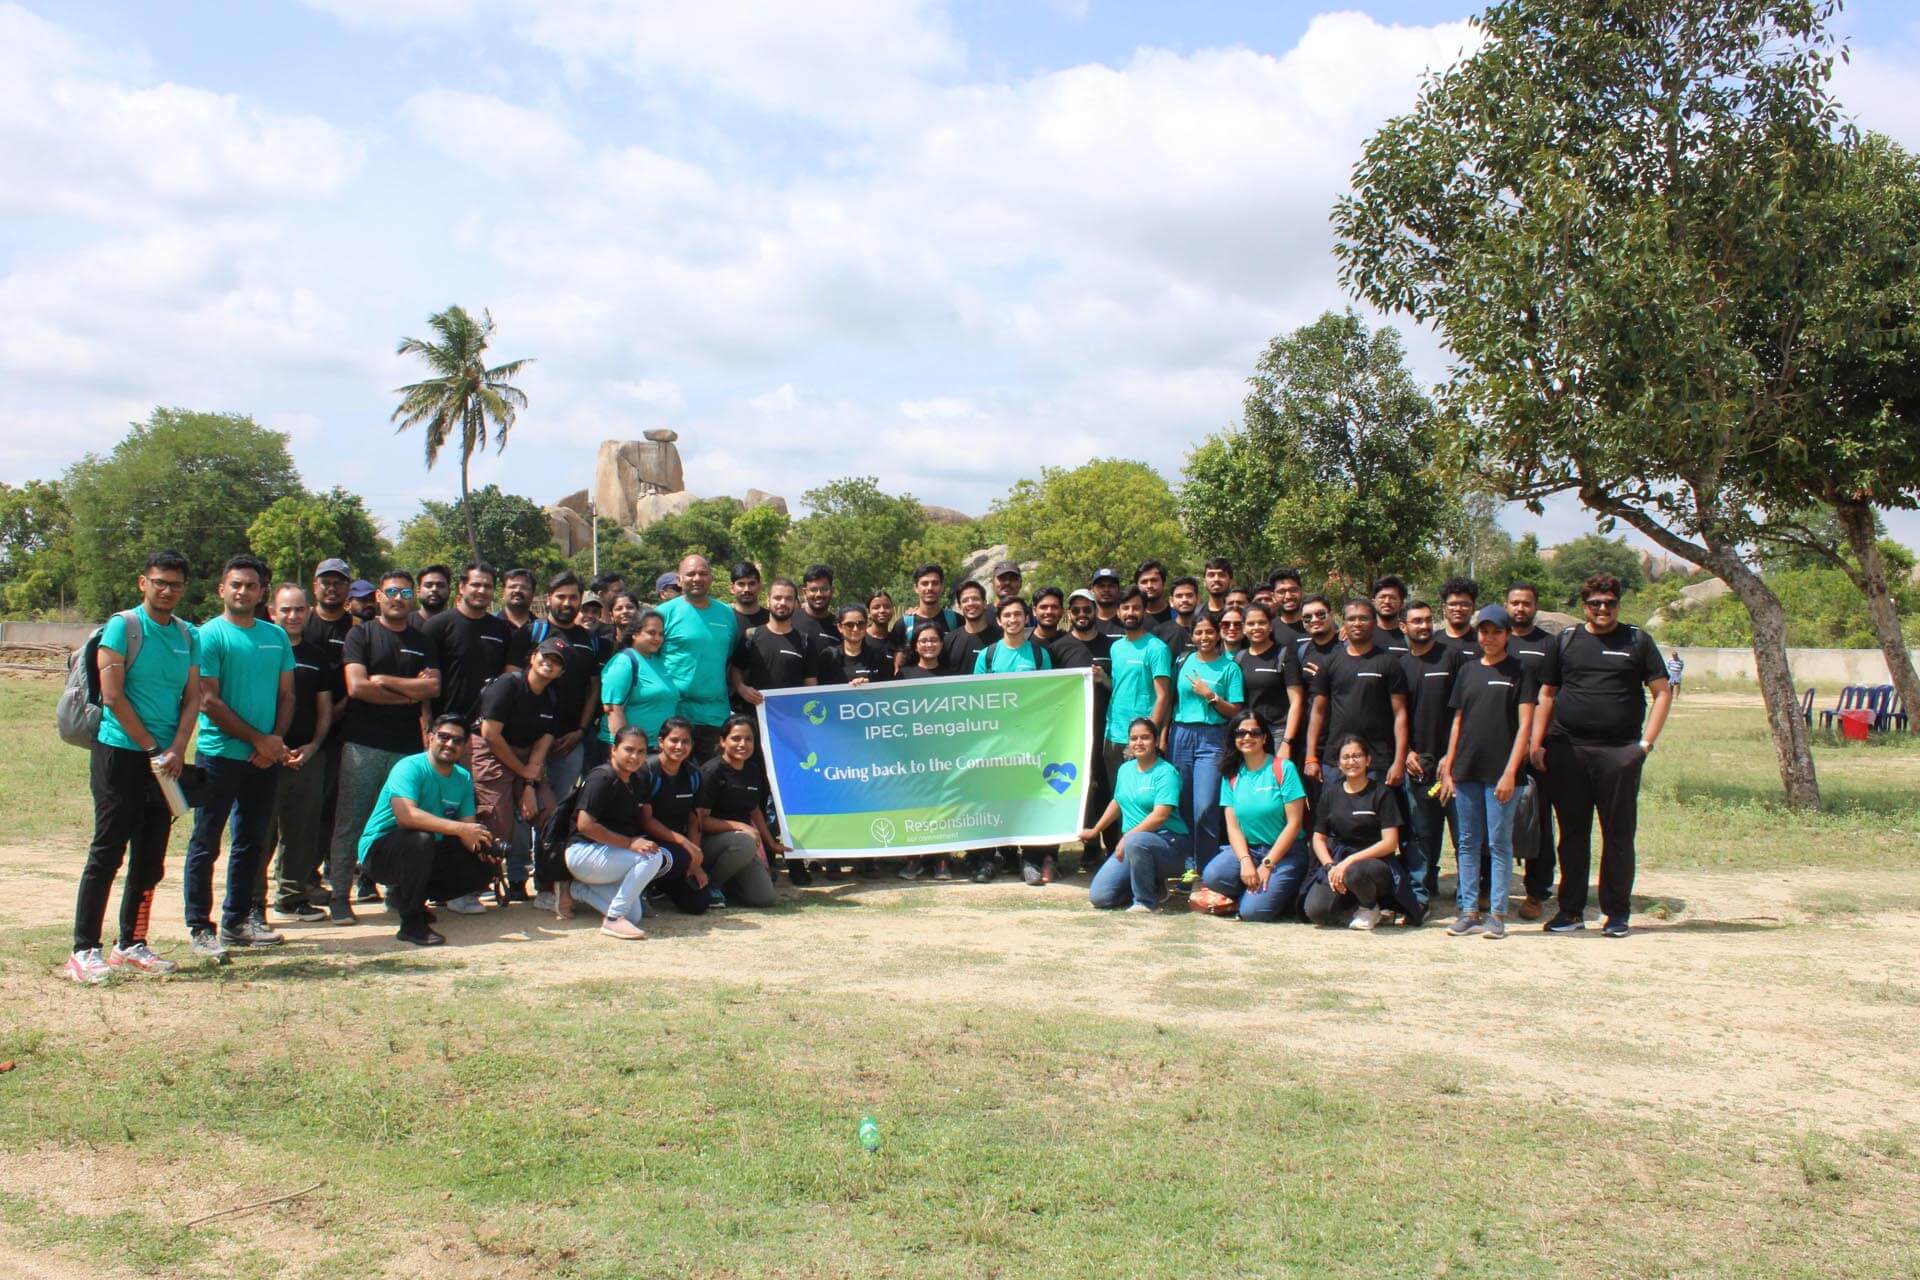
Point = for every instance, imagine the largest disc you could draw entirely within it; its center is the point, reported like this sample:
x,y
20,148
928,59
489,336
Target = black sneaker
x,y
341,914
425,937
366,891
1565,924
984,868
798,875
1615,927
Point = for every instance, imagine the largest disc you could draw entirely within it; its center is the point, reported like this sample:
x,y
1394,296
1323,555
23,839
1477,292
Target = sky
x,y
941,244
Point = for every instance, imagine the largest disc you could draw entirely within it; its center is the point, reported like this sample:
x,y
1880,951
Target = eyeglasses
x,y
1603,602
1248,733
397,593
167,584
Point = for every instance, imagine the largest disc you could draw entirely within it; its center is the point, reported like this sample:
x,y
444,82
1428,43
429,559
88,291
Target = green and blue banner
x,y
930,766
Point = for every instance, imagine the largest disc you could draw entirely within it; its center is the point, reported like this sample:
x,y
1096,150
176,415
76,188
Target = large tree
x,y
860,531
299,531
1108,513
464,397
1332,466
1609,214
193,482
36,547
503,529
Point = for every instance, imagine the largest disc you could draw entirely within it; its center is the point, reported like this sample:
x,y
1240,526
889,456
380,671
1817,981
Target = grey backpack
x,y
77,714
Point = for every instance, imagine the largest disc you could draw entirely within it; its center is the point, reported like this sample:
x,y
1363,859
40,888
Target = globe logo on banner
x,y
882,831
814,712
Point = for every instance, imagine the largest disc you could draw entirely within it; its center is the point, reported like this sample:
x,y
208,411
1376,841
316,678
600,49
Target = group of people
x,y
1275,753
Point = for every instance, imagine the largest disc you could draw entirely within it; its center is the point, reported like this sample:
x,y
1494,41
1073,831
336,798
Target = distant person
x,y
420,838
148,710
296,830
700,635
1154,843
361,604
1590,741
432,589
744,579
667,587
1356,844
516,598
1676,668
1493,698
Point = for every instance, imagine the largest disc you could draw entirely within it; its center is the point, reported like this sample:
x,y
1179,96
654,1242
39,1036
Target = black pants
x,y
130,823
418,865
1112,755
1584,780
1369,883
673,885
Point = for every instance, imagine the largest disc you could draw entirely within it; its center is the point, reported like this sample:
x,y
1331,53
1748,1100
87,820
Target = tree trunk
x,y
1857,519
466,499
1789,731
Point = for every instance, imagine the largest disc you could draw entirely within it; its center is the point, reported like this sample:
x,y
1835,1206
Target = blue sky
x,y
940,244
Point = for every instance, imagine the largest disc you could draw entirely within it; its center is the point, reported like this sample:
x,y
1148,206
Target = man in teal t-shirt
x,y
246,686
421,840
701,633
1142,679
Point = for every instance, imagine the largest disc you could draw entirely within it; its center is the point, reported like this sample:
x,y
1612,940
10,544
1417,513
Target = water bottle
x,y
869,1135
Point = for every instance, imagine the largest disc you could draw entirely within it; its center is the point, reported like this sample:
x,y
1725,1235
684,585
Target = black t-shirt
x,y
910,623
1356,820
731,795
586,653
525,716
1602,696
1286,633
816,633
1177,638
1359,693
1267,677
770,661
1156,617
1067,652
1392,639
1468,644
612,803
757,618
383,652
913,671
1489,701
674,796
963,645
314,673
331,637
1111,628
473,651
895,640
1530,647
1429,678
873,663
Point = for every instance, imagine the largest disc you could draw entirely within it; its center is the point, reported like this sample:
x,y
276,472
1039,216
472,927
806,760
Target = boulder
x,y
571,532
945,515
977,566
654,507
1701,592
662,435
625,471
760,498
575,502
1554,621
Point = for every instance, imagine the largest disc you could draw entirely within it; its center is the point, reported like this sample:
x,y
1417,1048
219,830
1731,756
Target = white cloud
x,y
485,132
397,14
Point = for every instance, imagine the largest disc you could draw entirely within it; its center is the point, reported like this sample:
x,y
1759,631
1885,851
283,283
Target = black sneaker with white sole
x,y
1565,924
1615,927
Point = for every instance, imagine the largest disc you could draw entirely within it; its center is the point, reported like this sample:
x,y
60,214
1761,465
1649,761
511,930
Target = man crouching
x,y
421,839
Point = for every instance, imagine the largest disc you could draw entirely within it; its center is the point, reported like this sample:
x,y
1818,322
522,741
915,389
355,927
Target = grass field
x,y
1060,1093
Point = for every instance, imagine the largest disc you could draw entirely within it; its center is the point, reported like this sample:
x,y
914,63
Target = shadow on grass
x,y
1839,798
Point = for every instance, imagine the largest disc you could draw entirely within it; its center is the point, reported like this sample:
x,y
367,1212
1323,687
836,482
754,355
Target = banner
x,y
930,766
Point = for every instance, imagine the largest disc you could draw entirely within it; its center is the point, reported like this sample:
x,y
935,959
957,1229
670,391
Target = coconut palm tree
x,y
463,396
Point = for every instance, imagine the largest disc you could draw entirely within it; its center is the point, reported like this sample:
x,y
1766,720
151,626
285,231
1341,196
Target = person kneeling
x,y
610,861
1356,840
421,839
1146,800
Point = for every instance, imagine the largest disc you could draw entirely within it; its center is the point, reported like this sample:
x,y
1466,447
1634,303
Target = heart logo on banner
x,y
1059,777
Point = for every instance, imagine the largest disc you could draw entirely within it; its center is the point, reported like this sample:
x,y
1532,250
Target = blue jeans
x,y
1196,752
1486,827
1282,894
233,787
1150,857
1420,842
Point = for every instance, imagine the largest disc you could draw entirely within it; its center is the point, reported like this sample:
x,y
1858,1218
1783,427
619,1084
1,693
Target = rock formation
x,y
636,483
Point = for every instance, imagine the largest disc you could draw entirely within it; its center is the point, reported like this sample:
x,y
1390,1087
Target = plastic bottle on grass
x,y
869,1135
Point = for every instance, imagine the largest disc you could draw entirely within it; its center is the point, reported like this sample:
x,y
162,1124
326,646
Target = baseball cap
x,y
335,565
360,589
1005,566
1103,575
1495,614
592,597
664,581
554,648
1082,594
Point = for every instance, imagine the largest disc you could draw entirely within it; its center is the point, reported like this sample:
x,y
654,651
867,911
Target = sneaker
x,y
248,934
913,870
1564,924
1049,870
257,919
366,891
1029,872
1140,907
1615,927
798,875
1365,919
206,945
1495,930
1465,923
622,928
715,899
943,870
86,967
424,937
467,904
1532,909
983,869
303,913
339,913
543,900
139,956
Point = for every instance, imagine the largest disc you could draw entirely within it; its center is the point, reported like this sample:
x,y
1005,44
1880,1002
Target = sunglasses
x,y
1603,602
1229,624
397,593
1248,733
451,739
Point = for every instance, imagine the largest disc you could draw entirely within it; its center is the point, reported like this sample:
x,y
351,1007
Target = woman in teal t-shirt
x,y
1265,859
1208,687
1146,802
635,688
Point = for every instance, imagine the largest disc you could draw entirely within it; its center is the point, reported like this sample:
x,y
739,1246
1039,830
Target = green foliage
x,y
1574,562
1523,563
947,545
759,535
858,530
299,531
705,527
190,481
1333,465
1110,512
512,533
36,547
1823,612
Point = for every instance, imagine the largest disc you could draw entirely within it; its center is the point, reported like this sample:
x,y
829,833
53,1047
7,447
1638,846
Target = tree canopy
x,y
1108,513
860,531
300,530
511,532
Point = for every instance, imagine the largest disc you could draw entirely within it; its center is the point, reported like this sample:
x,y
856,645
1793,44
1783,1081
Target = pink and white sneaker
x,y
140,956
86,967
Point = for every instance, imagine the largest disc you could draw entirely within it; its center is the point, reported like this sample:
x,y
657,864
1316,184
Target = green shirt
x,y
1223,673
1259,800
155,683
415,779
641,687
699,642
1030,656
1138,791
247,661
1136,663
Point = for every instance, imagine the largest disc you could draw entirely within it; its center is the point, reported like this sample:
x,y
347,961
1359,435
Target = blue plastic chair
x,y
1852,697
1806,706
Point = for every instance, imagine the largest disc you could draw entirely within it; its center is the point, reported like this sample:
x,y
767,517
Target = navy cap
x,y
1102,575
335,565
664,581
1496,615
360,589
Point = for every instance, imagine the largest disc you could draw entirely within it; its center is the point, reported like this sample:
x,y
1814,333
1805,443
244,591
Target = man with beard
x,y
1007,581
1319,637
327,628
775,655
1083,644
815,619
976,631
1151,578
1389,598
747,609
700,638
472,644
1105,586
1287,627
579,683
1429,665
434,587
1361,689
1183,603
516,598
1218,577
362,603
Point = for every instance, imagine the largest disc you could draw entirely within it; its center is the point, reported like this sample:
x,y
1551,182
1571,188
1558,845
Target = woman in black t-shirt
x,y
1270,673
857,659
610,861
1356,844
927,662
738,848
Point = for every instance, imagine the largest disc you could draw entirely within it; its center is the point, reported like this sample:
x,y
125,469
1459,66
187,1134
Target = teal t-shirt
x,y
247,661
1223,673
699,642
1136,663
1259,799
640,686
415,779
1138,791
1030,656
156,682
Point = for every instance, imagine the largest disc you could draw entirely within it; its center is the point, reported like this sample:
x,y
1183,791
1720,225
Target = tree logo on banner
x,y
882,830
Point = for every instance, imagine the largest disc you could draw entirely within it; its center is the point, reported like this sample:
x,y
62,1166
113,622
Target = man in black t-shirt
x,y
327,627
1105,586
1459,597
815,618
1428,666
1151,578
774,655
1319,637
1589,741
1287,600
578,686
1389,598
472,644
1361,689
1529,643
747,609
1087,634
976,630
1183,604
295,829
391,673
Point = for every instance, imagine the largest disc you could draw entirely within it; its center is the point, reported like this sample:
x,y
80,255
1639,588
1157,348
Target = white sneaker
x,y
1141,907
206,945
543,900
141,957
86,967
468,904
1365,919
